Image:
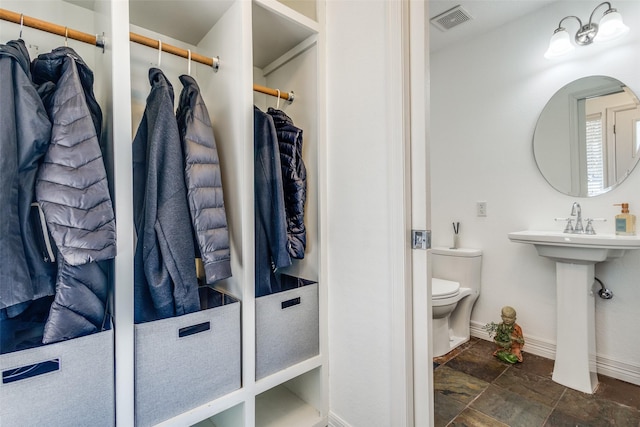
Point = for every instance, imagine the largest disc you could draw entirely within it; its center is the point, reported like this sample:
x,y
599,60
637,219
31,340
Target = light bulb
x,y
560,44
610,27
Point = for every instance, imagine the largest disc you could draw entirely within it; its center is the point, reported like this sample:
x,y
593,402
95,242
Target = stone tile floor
x,y
474,389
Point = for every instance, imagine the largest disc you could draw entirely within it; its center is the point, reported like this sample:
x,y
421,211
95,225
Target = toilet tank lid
x,y
461,252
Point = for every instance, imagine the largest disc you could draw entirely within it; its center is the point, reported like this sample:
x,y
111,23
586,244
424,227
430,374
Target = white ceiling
x,y
161,16
273,34
169,17
487,15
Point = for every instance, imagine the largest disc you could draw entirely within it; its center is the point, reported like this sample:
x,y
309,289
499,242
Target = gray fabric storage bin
x,y
183,362
73,384
287,326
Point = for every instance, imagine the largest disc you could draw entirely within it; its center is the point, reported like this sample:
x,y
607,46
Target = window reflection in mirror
x,y
587,137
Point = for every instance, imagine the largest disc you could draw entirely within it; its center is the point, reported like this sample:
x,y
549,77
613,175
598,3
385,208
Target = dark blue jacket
x,y
270,218
26,270
294,180
165,282
204,182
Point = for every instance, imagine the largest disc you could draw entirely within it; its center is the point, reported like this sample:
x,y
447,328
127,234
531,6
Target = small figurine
x,y
508,336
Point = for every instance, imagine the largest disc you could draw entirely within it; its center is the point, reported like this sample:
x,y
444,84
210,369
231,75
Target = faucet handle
x,y
589,228
569,227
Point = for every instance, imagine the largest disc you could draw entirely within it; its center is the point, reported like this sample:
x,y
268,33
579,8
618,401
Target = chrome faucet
x,y
576,211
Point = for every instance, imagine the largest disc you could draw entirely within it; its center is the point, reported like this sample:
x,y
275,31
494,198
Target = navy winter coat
x,y
26,270
204,182
165,281
73,191
270,218
294,180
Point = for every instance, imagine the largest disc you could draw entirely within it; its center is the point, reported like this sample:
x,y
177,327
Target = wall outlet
x,y
481,209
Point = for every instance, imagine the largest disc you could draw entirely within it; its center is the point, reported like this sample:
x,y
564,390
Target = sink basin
x,y
576,256
576,248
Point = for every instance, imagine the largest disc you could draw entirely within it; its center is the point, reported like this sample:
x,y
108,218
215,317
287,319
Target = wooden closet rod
x,y
60,30
147,41
289,96
95,40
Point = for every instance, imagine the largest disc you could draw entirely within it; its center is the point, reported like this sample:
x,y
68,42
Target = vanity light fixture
x,y
610,27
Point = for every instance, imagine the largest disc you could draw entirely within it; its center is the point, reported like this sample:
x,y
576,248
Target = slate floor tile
x,y
536,365
591,411
473,418
530,386
456,351
511,408
446,409
457,385
478,363
618,391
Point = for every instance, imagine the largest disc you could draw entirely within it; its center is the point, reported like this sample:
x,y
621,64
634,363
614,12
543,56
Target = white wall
x,y
362,189
487,94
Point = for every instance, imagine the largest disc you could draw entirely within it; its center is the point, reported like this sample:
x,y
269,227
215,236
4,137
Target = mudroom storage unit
x,y
47,384
273,44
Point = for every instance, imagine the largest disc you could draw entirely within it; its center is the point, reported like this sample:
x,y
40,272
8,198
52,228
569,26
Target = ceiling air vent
x,y
451,18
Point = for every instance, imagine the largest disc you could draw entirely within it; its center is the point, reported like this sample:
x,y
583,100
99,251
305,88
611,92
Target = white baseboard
x,y
609,367
532,345
336,421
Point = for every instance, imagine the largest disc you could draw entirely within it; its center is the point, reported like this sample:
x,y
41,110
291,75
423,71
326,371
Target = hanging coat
x,y
72,185
26,269
79,307
73,192
270,218
204,183
165,282
294,180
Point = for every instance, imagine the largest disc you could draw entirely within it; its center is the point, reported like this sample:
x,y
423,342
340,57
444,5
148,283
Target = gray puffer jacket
x,y
74,194
25,274
204,182
72,185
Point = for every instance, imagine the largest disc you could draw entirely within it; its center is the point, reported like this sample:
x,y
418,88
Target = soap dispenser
x,y
625,222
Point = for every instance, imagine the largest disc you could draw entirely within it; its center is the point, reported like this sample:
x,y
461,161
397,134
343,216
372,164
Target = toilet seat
x,y
441,289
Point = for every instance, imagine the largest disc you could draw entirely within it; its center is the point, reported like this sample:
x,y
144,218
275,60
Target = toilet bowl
x,y
455,287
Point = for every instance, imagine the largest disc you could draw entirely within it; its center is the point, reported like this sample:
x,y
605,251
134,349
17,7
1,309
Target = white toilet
x,y
455,288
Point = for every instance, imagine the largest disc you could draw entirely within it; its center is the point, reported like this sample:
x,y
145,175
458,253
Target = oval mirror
x,y
587,137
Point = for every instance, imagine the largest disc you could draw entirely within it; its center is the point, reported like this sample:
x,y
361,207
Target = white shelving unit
x,y
272,43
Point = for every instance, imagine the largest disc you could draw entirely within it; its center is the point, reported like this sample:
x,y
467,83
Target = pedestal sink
x,y
575,256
